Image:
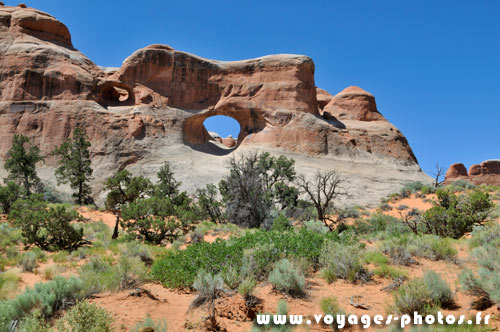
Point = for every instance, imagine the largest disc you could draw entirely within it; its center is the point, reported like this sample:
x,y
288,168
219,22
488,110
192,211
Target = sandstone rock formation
x,y
152,109
487,172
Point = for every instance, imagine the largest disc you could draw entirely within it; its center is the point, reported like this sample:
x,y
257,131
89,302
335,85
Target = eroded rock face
x,y
152,109
487,172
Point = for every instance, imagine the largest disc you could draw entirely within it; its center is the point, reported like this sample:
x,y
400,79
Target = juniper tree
x,y
125,188
21,163
8,195
74,165
255,186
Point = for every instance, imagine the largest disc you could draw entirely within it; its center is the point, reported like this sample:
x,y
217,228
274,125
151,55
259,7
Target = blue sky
x,y
433,66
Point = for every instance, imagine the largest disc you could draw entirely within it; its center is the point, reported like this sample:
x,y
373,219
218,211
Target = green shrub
x,y
380,223
271,327
423,295
330,306
9,193
231,278
286,278
247,286
385,207
99,275
134,249
402,248
8,283
178,269
461,185
156,219
98,233
47,297
453,215
342,261
157,325
34,322
316,226
256,184
439,291
28,261
375,258
411,297
485,235
49,228
85,317
411,188
281,223
387,271
208,286
486,281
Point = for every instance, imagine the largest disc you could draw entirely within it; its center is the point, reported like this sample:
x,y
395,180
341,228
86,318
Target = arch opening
x,y
223,129
116,94
196,134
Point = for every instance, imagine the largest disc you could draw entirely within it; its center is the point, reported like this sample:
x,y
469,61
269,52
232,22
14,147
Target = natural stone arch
x,y
116,94
249,120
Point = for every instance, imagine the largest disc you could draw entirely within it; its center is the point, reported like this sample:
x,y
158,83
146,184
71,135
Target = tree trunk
x,y
115,231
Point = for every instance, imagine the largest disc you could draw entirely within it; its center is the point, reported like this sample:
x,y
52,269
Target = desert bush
x,y
485,235
48,297
411,188
49,272
349,212
439,291
255,185
380,223
28,261
158,325
402,207
413,297
288,279
156,219
402,248
247,286
208,205
461,185
98,233
427,190
422,295
281,223
387,271
382,268
316,226
330,306
453,215
375,257
208,286
486,281
49,228
196,236
385,207
34,322
179,268
342,261
99,275
9,193
231,278
282,309
134,249
8,283
85,317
